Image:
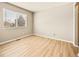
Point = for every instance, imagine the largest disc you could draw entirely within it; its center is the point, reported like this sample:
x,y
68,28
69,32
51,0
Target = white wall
x,y
55,23
12,33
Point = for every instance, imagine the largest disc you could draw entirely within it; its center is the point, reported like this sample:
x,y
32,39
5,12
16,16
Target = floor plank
x,y
35,46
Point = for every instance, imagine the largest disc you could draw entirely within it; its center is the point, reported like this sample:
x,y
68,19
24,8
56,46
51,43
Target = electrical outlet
x,y
54,34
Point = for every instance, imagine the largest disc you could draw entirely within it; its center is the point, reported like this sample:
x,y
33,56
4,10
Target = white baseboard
x,y
78,54
36,35
76,45
72,42
53,38
15,39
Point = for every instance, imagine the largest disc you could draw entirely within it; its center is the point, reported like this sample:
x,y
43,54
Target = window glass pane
x,y
21,19
14,19
10,18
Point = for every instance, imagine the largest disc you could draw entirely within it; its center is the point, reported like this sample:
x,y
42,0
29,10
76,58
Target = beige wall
x,y
8,34
56,22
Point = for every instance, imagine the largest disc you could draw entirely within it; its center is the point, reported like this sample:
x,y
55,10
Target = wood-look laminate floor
x,y
36,46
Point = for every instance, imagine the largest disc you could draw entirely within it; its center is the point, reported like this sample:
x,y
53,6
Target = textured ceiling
x,y
40,6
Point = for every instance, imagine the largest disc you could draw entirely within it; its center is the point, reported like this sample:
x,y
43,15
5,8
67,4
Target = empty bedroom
x,y
39,29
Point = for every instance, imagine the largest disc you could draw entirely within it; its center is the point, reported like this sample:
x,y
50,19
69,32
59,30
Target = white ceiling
x,y
39,6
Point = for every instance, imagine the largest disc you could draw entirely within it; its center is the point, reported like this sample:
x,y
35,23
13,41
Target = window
x,y
14,19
